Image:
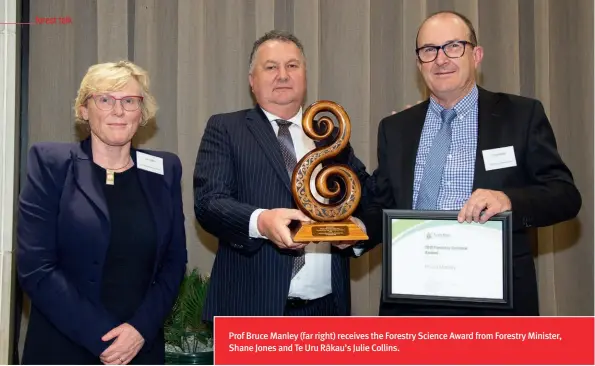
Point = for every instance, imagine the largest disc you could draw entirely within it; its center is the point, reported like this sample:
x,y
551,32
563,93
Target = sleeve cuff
x,y
253,226
358,251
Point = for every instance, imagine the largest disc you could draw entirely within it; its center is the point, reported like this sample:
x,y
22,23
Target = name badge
x,y
499,158
150,163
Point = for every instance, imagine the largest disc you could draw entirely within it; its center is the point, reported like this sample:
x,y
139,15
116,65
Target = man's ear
x,y
251,81
477,55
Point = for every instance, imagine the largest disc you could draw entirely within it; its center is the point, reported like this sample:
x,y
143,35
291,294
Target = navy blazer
x,y
239,168
63,235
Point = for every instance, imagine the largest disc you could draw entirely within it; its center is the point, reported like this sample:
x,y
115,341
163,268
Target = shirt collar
x,y
297,119
462,107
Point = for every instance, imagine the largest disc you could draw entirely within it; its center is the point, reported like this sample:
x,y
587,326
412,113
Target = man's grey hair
x,y
275,35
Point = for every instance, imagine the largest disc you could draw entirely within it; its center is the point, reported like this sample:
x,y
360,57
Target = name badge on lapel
x,y
499,158
150,163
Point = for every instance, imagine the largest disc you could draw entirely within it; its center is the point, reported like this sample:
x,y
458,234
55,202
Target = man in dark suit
x,y
438,155
243,196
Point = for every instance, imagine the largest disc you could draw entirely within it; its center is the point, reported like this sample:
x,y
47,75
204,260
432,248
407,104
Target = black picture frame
x,y
505,303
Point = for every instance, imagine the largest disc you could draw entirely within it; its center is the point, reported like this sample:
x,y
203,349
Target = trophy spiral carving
x,y
320,211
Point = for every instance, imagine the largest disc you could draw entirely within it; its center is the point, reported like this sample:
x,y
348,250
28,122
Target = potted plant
x,y
189,341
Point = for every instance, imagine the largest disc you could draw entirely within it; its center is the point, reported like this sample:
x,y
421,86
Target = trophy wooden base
x,y
329,231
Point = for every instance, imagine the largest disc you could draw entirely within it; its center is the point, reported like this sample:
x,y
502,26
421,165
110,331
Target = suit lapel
x,y
152,185
264,134
488,121
410,140
487,131
85,177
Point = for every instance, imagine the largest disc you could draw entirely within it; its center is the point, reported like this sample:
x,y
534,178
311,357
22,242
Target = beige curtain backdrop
x,y
360,54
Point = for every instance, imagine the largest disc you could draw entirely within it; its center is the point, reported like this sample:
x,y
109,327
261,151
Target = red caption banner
x,y
403,340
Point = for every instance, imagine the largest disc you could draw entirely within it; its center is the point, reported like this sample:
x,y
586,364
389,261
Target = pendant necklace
x,y
109,178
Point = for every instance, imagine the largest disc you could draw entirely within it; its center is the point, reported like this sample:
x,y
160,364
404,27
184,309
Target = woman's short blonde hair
x,y
113,76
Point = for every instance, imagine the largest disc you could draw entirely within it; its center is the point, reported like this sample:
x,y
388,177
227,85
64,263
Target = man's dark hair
x,y
275,35
472,34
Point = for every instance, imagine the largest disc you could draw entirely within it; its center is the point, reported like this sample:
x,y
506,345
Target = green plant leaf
x,y
186,314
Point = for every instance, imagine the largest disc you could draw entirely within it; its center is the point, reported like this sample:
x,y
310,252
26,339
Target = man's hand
x,y
483,204
347,244
126,346
407,107
274,225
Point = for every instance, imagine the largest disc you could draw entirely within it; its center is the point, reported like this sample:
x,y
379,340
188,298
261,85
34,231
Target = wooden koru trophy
x,y
331,220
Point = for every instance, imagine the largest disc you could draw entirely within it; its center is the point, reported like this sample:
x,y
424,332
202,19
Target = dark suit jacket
x,y
540,187
239,168
63,235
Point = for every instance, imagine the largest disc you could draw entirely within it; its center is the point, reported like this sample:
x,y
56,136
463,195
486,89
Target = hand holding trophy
x,y
331,220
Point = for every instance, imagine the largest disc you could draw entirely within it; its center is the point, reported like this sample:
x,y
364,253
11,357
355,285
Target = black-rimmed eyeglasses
x,y
452,49
107,102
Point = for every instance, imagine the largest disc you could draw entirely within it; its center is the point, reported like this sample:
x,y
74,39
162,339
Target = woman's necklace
x,y
109,179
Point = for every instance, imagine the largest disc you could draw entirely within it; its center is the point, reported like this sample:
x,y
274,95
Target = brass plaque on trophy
x,y
331,220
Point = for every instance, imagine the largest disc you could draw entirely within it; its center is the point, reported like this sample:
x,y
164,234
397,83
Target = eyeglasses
x,y
107,102
452,49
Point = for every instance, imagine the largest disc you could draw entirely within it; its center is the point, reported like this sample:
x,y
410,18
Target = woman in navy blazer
x,y
101,242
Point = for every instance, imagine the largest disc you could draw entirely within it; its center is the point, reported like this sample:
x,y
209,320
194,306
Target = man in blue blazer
x,y
243,196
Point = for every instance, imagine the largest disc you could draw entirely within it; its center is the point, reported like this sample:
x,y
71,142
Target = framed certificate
x,y
430,258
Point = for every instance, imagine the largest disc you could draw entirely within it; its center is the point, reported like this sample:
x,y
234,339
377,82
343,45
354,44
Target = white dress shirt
x,y
314,279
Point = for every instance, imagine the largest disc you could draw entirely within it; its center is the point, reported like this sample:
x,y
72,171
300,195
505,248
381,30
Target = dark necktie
x,y
290,159
427,198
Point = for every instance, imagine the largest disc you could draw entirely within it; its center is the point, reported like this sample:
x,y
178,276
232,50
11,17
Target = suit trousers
x,y
324,306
